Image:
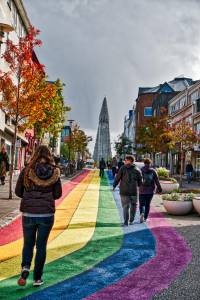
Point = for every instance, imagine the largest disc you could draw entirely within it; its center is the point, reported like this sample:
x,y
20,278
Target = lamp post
x,y
70,137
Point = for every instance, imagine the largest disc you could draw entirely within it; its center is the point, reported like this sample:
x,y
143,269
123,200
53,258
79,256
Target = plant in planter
x,y
196,203
178,204
168,184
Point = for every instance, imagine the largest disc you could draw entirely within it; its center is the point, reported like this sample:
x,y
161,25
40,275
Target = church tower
x,y
102,146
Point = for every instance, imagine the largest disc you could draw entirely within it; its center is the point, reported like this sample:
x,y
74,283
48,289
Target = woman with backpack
x,y
147,189
38,185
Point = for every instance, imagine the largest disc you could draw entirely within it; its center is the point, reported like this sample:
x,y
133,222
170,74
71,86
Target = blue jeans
x,y
145,201
36,232
129,205
189,176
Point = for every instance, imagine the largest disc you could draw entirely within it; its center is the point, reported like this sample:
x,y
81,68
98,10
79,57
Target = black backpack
x,y
148,178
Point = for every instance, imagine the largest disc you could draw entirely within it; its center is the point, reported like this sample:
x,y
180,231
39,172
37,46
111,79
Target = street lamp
x,y
70,137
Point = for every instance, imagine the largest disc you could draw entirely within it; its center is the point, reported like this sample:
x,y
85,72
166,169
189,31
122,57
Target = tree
x,y
25,92
183,138
123,145
54,115
77,143
154,136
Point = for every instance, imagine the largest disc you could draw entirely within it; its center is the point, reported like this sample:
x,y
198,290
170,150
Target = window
x,y
9,4
198,105
182,101
194,96
197,127
148,111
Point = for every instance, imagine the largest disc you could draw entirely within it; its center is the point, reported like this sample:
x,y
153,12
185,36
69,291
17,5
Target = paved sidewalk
x,y
9,208
187,285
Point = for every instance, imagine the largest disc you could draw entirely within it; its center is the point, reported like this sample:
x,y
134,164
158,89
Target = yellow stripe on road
x,y
79,231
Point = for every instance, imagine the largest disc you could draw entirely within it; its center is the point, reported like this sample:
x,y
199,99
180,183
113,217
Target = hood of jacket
x,y
146,169
44,174
129,166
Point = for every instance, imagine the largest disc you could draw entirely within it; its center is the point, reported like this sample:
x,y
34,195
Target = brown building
x,y
186,106
151,100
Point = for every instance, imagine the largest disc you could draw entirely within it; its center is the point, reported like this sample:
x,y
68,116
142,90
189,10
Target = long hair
x,y
41,152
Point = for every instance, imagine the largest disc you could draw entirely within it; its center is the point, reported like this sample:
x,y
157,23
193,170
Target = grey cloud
x,y
111,47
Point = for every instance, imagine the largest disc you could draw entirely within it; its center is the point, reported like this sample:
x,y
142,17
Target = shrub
x,y
178,197
162,172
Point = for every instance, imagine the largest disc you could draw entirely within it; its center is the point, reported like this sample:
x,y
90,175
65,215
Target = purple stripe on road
x,y
172,256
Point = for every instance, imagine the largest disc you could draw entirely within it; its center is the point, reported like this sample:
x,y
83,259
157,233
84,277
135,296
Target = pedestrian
x,y
120,163
130,179
38,185
114,166
147,189
102,166
4,164
189,171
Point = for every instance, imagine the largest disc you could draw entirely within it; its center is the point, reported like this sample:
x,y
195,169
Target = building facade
x,y
129,127
185,107
13,13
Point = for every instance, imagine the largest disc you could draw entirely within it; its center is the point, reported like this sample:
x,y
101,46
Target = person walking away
x,y
114,166
38,185
4,164
130,179
102,166
147,189
189,171
120,163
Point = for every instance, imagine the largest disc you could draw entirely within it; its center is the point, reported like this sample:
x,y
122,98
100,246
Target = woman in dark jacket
x,y
38,185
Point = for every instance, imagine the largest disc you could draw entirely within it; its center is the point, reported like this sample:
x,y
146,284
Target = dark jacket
x,y
46,186
120,164
4,158
102,164
130,178
148,190
189,168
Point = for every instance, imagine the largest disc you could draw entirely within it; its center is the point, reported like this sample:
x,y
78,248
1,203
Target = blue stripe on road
x,y
137,248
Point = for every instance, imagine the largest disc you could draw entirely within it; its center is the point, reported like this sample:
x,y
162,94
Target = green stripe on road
x,y
107,239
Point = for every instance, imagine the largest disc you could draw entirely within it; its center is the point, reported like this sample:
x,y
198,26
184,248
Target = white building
x,y
129,127
14,16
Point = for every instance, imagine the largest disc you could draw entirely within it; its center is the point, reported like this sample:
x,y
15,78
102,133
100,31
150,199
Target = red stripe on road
x,y
13,231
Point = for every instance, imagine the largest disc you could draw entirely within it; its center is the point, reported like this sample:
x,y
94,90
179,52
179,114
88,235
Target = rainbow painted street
x,y
90,255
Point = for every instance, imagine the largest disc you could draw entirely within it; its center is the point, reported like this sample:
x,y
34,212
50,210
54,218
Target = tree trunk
x,y
182,169
154,158
12,163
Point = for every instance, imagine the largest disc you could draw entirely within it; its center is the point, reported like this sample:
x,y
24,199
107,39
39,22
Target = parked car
x,y
63,165
89,164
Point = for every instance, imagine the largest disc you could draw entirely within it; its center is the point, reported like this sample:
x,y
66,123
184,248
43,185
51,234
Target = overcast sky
x,y
111,47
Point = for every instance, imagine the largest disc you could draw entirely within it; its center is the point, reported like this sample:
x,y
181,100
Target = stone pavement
x,y
95,258
9,208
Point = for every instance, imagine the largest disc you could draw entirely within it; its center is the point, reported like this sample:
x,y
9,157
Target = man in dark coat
x,y
102,166
4,164
130,179
189,171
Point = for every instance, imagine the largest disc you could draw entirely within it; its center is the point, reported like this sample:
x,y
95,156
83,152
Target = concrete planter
x,y
196,203
168,186
178,208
